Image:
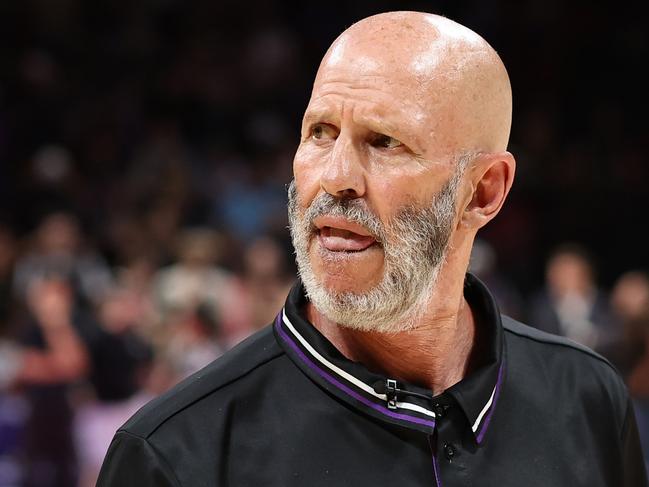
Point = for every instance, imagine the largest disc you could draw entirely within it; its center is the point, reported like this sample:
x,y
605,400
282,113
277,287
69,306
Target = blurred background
x,y
145,149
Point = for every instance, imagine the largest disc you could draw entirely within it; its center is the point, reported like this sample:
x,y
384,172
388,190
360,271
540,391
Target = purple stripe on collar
x,y
487,420
333,381
438,483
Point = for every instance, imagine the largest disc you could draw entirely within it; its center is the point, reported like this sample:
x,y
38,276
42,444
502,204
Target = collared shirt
x,y
286,408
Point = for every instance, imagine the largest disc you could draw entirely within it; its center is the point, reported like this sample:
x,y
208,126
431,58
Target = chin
x,y
336,285
347,272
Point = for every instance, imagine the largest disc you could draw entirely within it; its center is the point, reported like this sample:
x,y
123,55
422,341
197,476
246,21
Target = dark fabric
x,y
141,464
634,466
270,413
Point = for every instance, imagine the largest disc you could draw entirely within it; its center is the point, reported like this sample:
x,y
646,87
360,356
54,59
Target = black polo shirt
x,y
285,408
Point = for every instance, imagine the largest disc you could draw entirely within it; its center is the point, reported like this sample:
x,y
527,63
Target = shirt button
x,y
439,410
449,451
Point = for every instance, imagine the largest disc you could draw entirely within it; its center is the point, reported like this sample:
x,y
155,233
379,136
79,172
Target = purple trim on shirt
x,y
435,468
438,483
485,423
342,386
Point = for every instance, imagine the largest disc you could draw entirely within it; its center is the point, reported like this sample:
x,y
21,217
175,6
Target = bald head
x,y
451,77
388,192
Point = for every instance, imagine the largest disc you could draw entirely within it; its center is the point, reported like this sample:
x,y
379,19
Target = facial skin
x,y
413,243
398,100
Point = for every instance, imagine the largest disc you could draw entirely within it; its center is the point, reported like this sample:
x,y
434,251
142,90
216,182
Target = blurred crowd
x,y
145,149
83,345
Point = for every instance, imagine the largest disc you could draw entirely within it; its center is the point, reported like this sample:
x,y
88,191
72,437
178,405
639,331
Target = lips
x,y
337,234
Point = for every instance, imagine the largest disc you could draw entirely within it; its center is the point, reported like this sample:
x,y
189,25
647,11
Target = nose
x,y
344,175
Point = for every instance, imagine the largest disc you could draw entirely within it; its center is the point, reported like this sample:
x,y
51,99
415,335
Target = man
x,y
388,365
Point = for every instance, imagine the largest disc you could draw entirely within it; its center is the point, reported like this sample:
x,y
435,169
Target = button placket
x,y
450,429
449,451
440,410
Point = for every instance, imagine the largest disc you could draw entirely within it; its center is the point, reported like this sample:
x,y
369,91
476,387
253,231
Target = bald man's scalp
x,y
455,75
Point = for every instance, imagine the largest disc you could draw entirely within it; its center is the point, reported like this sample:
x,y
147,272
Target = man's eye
x,y
385,141
322,131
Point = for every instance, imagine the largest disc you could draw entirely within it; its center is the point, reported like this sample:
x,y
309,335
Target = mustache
x,y
354,210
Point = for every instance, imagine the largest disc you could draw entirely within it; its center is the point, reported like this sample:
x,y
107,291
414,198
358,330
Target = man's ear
x,y
491,179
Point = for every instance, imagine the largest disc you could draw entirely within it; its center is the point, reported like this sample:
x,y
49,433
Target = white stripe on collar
x,y
484,409
358,383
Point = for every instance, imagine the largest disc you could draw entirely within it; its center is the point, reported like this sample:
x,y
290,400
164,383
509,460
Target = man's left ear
x,y
491,179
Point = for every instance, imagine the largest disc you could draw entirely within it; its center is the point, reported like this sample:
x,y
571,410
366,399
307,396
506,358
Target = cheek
x,y
391,195
307,171
401,180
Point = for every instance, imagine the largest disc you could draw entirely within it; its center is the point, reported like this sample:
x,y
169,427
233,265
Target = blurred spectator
x,y
120,362
54,351
630,309
571,304
250,202
58,251
630,297
7,257
54,356
630,353
262,287
194,340
193,298
194,280
483,265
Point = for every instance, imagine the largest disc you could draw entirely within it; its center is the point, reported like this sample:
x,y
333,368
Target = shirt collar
x,y
477,394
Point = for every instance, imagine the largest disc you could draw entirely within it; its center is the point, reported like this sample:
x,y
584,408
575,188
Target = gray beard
x,y
415,242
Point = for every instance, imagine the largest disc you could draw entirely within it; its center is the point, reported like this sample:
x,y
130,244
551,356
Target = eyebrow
x,y
318,114
375,124
321,113
380,125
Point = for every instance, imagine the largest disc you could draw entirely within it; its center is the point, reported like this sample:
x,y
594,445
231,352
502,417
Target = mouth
x,y
337,234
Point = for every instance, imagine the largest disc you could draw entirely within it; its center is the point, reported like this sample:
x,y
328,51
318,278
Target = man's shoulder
x,y
251,355
555,347
555,360
557,343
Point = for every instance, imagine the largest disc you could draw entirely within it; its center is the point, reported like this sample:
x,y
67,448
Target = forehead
x,y
392,94
383,94
400,62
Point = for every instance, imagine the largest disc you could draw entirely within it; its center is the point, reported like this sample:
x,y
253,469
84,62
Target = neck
x,y
435,353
